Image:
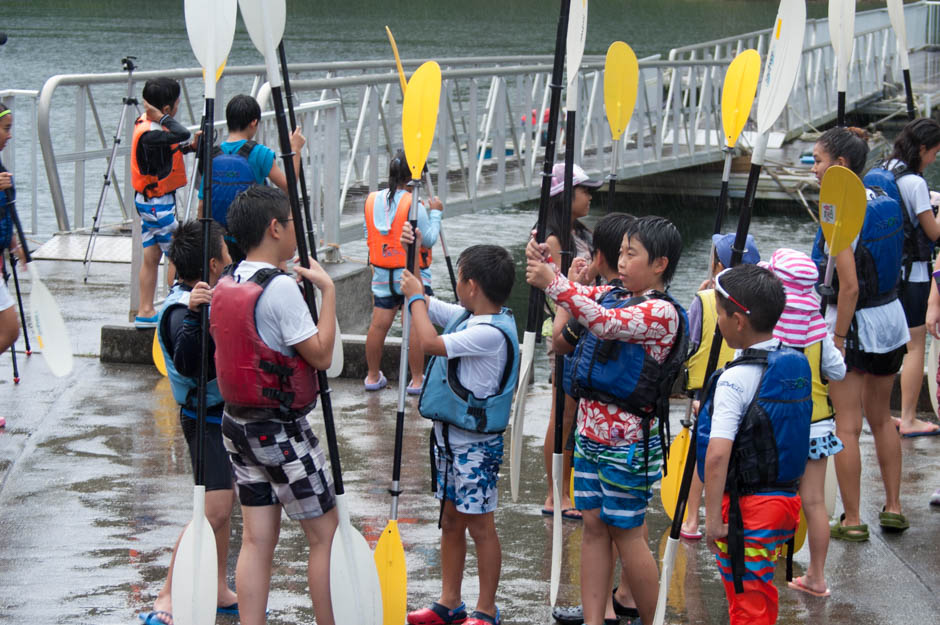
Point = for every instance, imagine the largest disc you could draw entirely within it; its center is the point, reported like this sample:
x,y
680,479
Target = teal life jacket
x,y
444,398
185,388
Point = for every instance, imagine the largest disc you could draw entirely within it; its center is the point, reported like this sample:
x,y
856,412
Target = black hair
x,y
251,212
4,108
920,132
849,143
160,92
186,248
660,238
491,267
758,290
398,173
608,236
241,111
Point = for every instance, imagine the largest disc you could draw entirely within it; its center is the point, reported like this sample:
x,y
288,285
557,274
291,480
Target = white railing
x,y
23,105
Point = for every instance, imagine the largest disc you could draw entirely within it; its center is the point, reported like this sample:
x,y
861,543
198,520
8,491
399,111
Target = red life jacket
x,y
251,374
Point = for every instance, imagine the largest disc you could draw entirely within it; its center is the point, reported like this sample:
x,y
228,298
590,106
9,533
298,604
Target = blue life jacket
x,y
917,246
444,398
231,174
878,253
7,202
772,444
185,389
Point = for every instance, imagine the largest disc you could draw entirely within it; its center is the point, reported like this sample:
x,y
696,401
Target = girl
x,y
9,324
865,319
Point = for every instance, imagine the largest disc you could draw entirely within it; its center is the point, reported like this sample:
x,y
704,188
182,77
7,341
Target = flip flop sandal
x,y
227,609
438,614
850,533
155,617
796,584
690,536
622,610
482,618
892,521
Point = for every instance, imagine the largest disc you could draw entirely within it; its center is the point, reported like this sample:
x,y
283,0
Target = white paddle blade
x,y
354,581
265,21
669,559
210,45
783,62
574,49
557,474
195,569
49,327
336,365
518,414
896,14
842,36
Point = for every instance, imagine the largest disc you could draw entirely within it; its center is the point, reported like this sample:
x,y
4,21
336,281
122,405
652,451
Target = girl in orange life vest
x,y
385,213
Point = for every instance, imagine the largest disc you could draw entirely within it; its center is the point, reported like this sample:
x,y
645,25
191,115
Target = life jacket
x,y
698,362
822,406
231,174
185,389
878,253
444,398
251,374
155,171
386,250
917,246
7,204
771,447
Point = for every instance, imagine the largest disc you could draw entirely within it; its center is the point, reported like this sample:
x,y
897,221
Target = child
x,y
802,327
9,323
618,441
760,404
157,171
267,353
239,162
470,413
179,332
702,325
385,213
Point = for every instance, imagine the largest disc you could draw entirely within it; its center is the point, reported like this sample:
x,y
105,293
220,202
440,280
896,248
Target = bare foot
x,y
917,426
690,526
163,603
226,597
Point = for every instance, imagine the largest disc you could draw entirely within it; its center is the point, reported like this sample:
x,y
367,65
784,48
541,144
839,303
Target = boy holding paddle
x,y
618,454
267,352
470,411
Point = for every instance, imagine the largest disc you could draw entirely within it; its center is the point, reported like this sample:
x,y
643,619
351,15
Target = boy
x,y
481,344
753,441
618,452
179,332
267,353
157,171
239,162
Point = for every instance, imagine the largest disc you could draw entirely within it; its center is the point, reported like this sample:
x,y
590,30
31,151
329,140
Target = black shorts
x,y
913,296
218,468
392,302
875,364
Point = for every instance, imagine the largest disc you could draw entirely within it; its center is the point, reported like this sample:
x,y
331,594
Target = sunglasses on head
x,y
727,295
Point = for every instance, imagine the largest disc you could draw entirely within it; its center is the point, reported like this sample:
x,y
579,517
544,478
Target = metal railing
x,y
23,104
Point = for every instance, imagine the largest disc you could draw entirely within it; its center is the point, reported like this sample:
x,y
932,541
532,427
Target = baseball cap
x,y
723,244
578,179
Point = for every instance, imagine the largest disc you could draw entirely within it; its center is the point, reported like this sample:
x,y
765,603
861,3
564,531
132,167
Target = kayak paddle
x,y
842,205
418,120
157,354
211,29
536,296
621,77
896,14
842,35
354,588
574,48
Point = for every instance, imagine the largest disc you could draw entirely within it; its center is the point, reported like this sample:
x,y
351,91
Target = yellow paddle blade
x,y
157,354
842,206
675,465
401,70
393,574
800,537
621,76
737,94
419,115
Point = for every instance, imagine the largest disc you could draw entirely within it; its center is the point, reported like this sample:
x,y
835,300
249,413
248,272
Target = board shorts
x,y
218,469
157,220
613,479
913,296
392,302
6,301
468,477
888,363
277,462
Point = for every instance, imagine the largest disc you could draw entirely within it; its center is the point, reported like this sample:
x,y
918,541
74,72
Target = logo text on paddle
x,y
827,213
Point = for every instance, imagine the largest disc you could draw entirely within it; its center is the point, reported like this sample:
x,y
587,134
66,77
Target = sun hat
x,y
723,244
800,324
578,179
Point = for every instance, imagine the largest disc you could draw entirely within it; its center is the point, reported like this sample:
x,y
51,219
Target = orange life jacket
x,y
386,250
150,184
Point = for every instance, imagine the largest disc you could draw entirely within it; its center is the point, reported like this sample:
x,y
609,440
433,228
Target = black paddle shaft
x,y
909,92
326,403
205,220
744,220
536,295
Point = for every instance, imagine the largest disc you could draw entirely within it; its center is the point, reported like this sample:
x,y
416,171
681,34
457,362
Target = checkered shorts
x,y
278,462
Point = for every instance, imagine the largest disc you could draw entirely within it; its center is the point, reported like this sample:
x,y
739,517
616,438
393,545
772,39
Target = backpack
x,y
231,174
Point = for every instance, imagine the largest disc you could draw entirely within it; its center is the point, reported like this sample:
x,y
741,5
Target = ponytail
x,y
398,173
849,143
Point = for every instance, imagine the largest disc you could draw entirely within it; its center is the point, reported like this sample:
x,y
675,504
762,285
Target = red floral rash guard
x,y
653,323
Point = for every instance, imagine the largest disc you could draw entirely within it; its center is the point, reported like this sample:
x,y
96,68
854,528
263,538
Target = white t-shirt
x,y
482,352
282,316
916,198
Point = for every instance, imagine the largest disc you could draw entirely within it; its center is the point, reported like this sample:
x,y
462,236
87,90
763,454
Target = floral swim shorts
x,y
468,476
